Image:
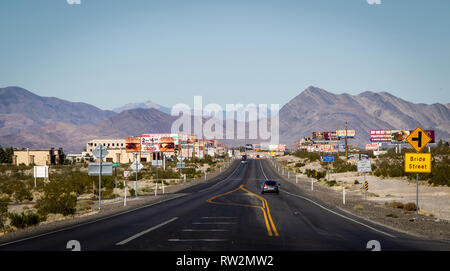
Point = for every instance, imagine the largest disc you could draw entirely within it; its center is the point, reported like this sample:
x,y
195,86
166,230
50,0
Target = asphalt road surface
x,y
231,214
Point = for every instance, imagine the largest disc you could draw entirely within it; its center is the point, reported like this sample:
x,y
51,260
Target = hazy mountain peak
x,y
146,105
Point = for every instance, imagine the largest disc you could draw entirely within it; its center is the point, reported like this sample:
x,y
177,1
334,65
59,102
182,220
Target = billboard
x,y
152,142
317,136
166,144
399,136
149,143
380,135
132,144
327,148
429,133
341,133
388,135
330,136
279,147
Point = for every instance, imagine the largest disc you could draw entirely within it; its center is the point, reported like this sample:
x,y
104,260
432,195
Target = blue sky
x,y
112,52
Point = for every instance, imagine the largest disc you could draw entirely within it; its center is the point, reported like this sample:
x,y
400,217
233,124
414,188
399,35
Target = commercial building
x,y
38,157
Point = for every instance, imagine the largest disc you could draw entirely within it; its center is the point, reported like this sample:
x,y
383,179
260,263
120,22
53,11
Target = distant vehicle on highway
x,y
270,186
244,159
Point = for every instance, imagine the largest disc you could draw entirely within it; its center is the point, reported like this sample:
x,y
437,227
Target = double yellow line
x,y
271,229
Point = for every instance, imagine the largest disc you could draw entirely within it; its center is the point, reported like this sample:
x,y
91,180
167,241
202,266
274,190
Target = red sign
x,y
372,147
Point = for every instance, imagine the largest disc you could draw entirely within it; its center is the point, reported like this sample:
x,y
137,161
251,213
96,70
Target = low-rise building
x,y
38,157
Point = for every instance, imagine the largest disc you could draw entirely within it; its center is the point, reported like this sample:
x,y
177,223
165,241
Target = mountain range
x,y
31,121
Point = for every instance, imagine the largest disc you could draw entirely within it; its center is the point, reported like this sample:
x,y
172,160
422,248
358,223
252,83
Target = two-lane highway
x,y
231,214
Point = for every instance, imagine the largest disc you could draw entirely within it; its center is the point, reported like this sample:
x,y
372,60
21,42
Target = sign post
x,y
100,152
40,172
364,166
115,166
136,166
328,159
418,162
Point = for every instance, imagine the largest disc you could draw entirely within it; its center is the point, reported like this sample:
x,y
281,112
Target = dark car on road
x,y
244,159
270,186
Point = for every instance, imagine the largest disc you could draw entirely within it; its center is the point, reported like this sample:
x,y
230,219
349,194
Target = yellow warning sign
x,y
418,162
418,139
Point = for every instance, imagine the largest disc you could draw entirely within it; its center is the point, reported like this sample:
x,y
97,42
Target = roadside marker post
x,y
366,187
343,195
125,198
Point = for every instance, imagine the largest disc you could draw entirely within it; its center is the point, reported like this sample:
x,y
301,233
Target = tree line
x,y
6,155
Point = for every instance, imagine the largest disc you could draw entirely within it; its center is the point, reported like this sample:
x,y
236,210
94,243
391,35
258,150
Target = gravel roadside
x,y
394,218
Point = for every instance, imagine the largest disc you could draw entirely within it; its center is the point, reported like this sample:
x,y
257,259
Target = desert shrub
x,y
311,156
396,204
24,220
299,164
392,215
312,173
4,200
440,172
58,198
340,165
331,183
22,192
356,182
132,191
411,206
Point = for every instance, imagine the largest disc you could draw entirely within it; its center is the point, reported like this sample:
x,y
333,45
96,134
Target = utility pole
x,y
338,141
346,154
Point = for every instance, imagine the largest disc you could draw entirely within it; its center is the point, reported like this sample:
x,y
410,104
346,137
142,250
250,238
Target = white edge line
x,y
90,222
338,214
145,232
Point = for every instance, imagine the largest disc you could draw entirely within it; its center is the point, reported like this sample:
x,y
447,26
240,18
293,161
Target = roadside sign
x,y
418,162
94,169
126,174
181,158
363,156
100,149
366,186
116,165
364,166
328,159
41,172
157,163
136,164
181,165
418,139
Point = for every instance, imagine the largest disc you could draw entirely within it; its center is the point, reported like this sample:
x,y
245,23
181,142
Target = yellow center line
x,y
264,208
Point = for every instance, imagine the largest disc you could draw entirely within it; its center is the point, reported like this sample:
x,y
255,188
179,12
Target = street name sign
x,y
116,165
418,162
418,139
